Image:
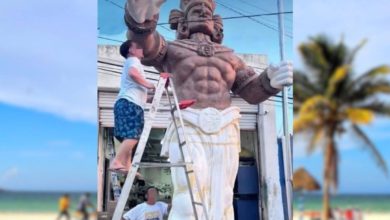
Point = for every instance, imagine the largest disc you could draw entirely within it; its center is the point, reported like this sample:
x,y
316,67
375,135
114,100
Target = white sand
x,y
366,216
34,216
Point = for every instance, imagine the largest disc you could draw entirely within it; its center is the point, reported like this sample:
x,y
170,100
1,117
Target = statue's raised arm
x,y
141,17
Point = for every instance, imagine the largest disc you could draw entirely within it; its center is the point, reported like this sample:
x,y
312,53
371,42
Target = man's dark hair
x,y
124,49
151,187
147,190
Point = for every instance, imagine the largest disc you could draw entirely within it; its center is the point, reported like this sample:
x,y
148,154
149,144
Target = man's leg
x,y
59,215
122,159
67,215
85,215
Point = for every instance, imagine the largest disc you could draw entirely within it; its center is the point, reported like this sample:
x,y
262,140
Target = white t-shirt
x,y
130,89
144,211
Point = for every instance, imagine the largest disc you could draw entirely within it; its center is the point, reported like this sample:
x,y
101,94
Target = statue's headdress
x,y
186,5
177,19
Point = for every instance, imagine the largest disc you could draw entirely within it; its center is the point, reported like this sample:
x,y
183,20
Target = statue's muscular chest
x,y
187,59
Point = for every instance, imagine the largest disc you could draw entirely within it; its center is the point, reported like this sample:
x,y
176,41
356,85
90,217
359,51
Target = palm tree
x,y
328,97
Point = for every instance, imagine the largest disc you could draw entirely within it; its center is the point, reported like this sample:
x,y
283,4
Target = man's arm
x,y
255,88
138,78
141,18
166,208
132,214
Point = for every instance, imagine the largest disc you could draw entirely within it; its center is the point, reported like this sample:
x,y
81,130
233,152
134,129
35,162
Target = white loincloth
x,y
213,138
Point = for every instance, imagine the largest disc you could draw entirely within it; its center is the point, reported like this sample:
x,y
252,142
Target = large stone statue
x,y
204,70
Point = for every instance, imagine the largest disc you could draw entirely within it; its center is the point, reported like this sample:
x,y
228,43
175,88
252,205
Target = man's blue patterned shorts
x,y
129,120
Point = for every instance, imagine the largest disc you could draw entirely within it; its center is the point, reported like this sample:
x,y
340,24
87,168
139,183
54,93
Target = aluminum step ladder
x,y
164,83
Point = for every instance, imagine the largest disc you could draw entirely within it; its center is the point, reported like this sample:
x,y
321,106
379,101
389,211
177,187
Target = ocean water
x,y
48,201
367,203
37,201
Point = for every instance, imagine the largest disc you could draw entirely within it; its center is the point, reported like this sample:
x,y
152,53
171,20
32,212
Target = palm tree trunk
x,y
325,199
327,175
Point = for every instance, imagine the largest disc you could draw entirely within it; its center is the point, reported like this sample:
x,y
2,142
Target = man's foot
x,y
139,176
122,170
118,167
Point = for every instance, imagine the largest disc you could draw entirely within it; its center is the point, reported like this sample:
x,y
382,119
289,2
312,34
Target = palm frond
x,y
377,107
354,51
370,147
303,87
305,121
313,57
359,115
372,73
367,90
316,137
339,75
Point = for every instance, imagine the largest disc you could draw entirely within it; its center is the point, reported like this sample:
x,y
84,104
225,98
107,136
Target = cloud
x,y
77,155
48,62
355,19
9,174
35,153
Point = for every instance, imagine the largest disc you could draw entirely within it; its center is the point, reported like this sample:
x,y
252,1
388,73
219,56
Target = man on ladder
x,y
128,109
202,70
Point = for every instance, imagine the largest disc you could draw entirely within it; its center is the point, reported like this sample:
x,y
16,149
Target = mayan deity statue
x,y
204,70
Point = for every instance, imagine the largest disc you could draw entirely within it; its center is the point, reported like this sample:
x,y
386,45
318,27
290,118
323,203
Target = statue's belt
x,y
211,120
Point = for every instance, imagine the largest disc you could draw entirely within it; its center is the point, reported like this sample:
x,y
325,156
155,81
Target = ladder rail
x,y
139,152
183,158
116,188
163,83
201,196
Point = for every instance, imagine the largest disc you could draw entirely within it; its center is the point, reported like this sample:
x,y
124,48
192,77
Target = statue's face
x,y
200,19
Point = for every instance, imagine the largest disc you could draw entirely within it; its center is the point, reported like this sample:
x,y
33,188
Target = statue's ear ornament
x,y
174,17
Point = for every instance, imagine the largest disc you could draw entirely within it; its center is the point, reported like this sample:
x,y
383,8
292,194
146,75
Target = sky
x,y
48,129
251,36
48,82
355,20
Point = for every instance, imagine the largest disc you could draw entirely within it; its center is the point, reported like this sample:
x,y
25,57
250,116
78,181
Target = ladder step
x,y
189,171
153,165
198,203
182,144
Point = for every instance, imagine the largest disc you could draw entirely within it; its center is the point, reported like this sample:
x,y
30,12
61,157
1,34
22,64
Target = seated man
x,y
149,210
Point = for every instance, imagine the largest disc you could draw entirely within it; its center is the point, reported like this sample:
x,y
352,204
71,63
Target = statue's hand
x,y
280,75
142,10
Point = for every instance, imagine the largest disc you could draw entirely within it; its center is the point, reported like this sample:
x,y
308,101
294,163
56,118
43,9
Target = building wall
x,y
109,72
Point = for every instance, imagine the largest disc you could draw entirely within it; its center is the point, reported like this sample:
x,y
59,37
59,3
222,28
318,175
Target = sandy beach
x,y
53,216
366,216
33,216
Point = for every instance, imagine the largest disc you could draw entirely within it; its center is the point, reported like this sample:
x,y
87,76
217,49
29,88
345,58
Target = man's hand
x,y
280,75
142,10
152,87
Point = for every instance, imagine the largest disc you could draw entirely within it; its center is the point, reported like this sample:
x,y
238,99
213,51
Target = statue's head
x,y
196,16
